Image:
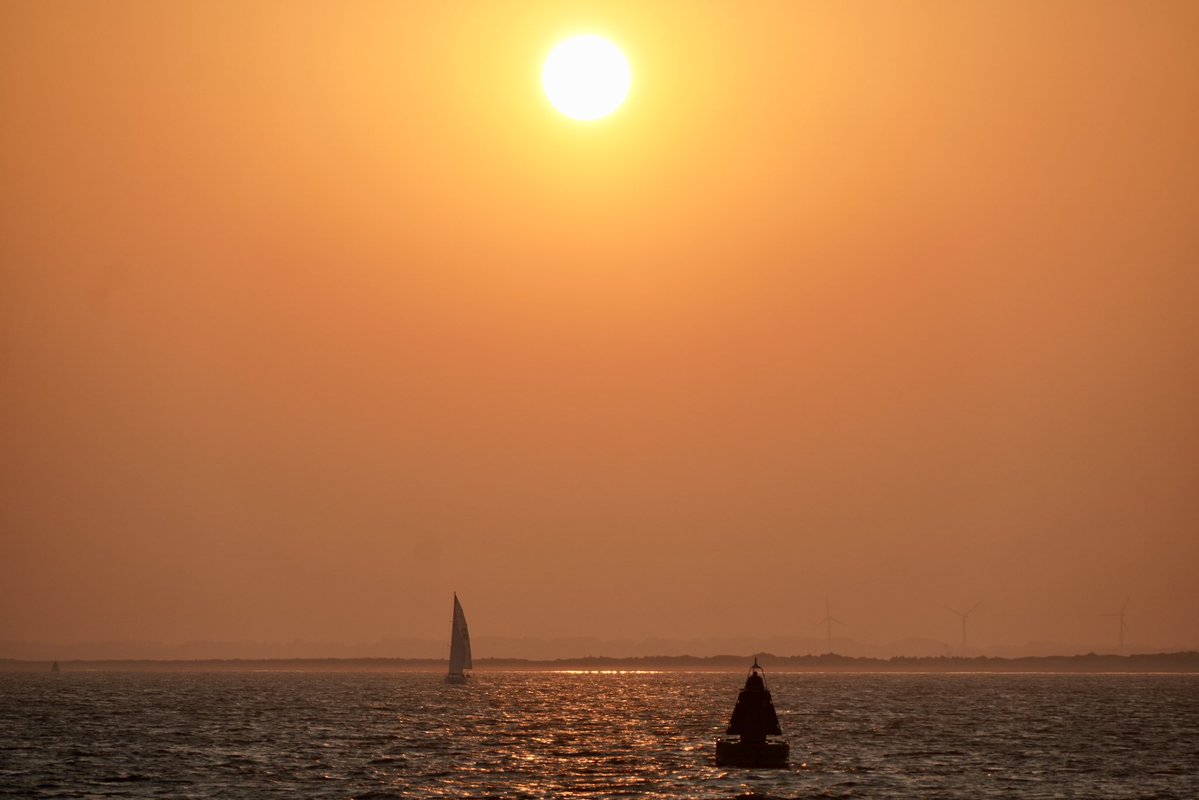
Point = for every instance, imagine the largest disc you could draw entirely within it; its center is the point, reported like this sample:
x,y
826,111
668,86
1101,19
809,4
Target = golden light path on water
x,y
607,671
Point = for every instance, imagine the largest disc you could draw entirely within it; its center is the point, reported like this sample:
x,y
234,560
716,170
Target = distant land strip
x,y
1181,662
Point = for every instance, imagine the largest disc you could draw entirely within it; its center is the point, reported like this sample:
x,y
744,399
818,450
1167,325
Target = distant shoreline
x,y
1176,663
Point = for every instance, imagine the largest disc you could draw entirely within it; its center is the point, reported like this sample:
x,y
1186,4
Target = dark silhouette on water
x,y
54,667
459,647
754,719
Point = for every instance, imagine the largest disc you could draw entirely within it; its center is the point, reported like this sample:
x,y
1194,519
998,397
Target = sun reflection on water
x,y
606,671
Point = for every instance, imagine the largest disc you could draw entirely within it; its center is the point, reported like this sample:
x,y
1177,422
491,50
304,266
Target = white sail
x,y
459,642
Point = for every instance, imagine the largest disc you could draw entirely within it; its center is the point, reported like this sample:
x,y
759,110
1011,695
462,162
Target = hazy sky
x,y
312,313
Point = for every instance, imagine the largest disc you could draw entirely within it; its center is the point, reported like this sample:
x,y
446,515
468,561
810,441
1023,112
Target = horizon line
x,y
598,658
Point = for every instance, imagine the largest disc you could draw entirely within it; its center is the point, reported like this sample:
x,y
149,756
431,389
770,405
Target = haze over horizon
x,y
549,649
311,315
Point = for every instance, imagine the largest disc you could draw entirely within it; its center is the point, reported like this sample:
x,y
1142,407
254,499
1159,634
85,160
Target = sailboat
x,y
754,719
459,647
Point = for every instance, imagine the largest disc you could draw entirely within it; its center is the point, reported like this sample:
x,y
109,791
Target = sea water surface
x,y
561,735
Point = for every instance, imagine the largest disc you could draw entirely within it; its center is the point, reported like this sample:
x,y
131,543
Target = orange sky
x,y
311,313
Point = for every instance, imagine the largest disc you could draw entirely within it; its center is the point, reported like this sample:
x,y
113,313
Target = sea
x,y
377,735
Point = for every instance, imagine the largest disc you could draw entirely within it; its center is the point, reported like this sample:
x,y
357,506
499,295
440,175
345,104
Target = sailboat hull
x,y
456,679
731,753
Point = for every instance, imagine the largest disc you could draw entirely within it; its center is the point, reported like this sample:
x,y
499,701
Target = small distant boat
x,y
459,647
753,721
54,667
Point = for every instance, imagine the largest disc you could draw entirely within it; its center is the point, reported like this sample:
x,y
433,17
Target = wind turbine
x,y
1123,626
964,615
828,621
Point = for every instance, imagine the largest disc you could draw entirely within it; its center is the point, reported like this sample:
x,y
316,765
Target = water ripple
x,y
374,736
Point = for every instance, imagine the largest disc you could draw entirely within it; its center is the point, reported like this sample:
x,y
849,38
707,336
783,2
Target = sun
x,y
586,77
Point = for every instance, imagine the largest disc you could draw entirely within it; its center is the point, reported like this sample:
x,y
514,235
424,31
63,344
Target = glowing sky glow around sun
x,y
586,77
310,319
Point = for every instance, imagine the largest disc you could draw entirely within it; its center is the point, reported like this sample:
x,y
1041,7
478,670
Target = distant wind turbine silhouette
x,y
1123,626
964,615
828,621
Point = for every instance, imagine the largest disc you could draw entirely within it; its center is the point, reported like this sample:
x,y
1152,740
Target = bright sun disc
x,y
586,77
